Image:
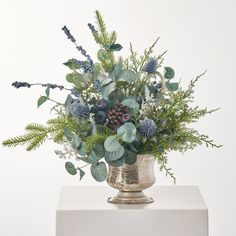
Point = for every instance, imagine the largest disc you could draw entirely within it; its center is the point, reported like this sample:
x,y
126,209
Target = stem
x,y
55,101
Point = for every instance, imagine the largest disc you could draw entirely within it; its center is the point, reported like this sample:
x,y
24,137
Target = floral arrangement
x,y
116,109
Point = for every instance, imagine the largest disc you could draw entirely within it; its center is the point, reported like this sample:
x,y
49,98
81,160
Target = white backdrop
x,y
198,34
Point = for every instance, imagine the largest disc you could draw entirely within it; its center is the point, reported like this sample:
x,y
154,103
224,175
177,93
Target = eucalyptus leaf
x,y
169,73
71,64
99,150
117,163
111,144
128,76
130,156
42,100
47,91
97,68
115,47
115,155
172,86
92,158
99,171
131,103
105,81
81,173
68,134
75,79
127,132
117,69
70,168
76,141
106,90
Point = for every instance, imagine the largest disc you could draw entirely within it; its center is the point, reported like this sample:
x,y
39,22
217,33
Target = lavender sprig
x,y
18,84
92,28
84,65
79,48
68,34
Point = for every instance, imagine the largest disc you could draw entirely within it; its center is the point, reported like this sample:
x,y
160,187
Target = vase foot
x,y
137,197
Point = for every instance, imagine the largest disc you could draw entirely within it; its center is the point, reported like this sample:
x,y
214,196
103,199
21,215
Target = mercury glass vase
x,y
131,180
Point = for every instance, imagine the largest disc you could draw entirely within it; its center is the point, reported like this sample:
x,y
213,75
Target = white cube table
x,y
177,211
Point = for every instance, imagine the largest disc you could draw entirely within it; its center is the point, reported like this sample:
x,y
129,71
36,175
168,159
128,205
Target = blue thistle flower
x,y
147,128
92,28
151,66
78,110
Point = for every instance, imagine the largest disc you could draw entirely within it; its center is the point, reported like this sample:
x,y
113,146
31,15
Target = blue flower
x,y
147,128
151,66
78,110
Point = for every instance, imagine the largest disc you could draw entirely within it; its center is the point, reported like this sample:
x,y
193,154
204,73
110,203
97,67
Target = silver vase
x,y
130,180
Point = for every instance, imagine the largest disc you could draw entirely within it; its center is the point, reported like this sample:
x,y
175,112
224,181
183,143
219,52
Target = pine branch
x,y
18,140
102,28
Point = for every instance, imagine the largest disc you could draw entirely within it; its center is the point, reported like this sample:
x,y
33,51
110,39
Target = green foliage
x,y
127,132
116,94
99,171
37,134
70,168
42,100
107,42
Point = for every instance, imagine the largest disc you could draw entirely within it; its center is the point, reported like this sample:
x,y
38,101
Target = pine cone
x,y
117,115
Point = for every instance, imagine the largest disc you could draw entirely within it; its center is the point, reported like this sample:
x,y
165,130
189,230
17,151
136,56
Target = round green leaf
x,y
42,100
106,90
112,156
127,132
70,168
115,47
169,73
117,163
92,158
128,76
99,150
99,171
76,141
131,103
130,157
172,86
111,144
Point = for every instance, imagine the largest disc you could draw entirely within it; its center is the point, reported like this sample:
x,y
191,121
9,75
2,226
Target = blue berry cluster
x,y
68,34
148,128
151,66
92,28
18,84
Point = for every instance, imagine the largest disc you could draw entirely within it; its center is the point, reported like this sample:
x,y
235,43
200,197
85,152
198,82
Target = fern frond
x,y
91,141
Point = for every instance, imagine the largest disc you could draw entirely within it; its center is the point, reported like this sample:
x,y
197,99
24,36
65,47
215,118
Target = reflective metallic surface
x,y
130,180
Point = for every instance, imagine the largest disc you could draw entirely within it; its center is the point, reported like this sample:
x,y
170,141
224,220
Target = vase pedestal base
x,y
128,197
